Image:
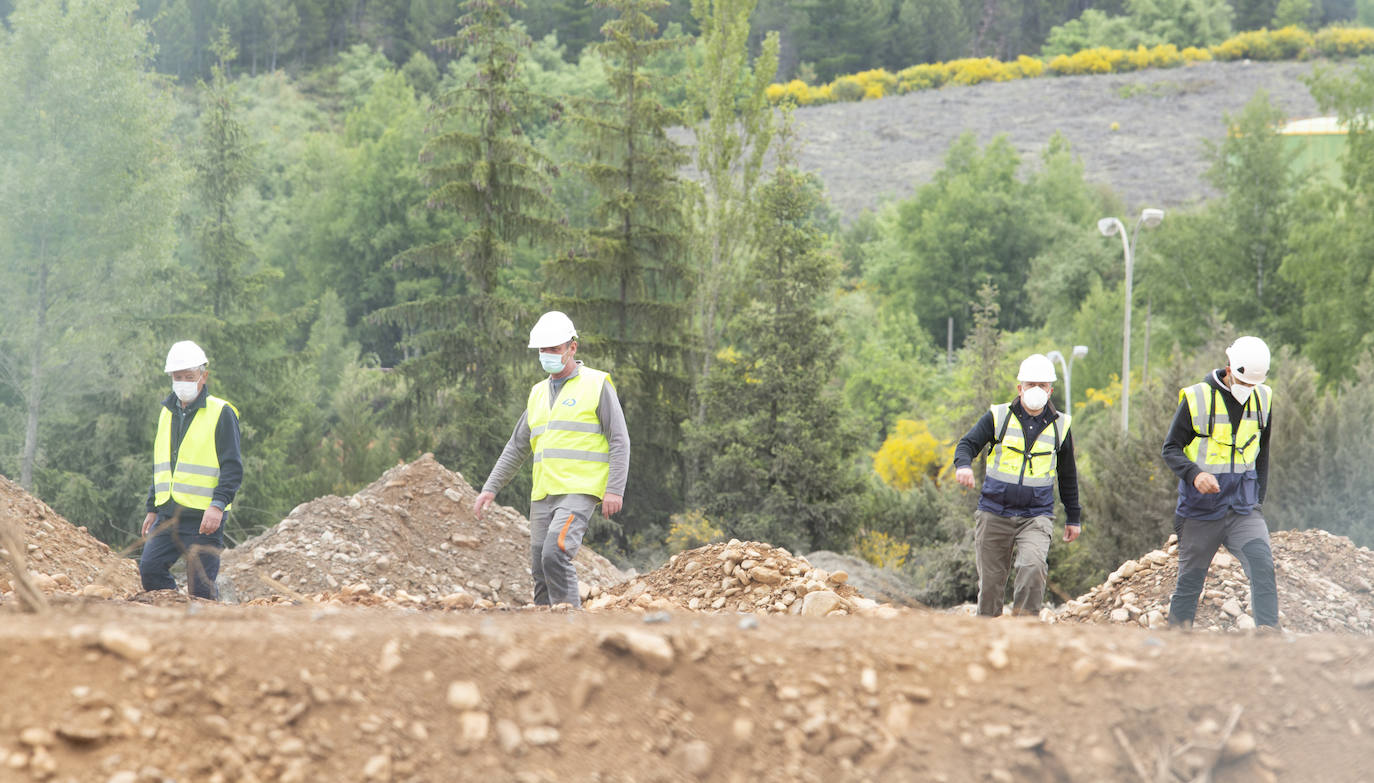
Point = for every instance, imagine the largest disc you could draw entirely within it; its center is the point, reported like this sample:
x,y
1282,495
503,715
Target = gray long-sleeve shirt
x,y
612,420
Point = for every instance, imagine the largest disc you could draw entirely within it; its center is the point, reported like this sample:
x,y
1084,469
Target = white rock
x,y
125,644
651,650
820,603
464,695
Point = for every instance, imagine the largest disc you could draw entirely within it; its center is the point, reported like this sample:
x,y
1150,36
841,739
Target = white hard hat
x,y
1249,359
185,355
553,328
1037,368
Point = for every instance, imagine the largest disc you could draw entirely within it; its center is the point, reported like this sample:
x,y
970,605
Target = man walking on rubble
x,y
197,470
1218,445
1031,448
574,426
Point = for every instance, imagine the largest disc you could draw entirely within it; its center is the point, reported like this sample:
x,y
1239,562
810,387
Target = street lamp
x,y
1079,351
1110,226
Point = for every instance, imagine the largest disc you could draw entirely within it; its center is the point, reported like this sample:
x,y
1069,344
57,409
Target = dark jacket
x,y
1240,492
1014,500
226,446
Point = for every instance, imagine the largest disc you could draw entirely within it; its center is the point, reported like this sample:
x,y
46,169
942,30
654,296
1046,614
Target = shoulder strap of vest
x,y
1057,441
1001,430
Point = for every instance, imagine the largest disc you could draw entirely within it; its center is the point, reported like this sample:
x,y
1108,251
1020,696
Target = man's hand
x,y
209,521
1206,483
611,503
1071,532
148,522
964,476
479,506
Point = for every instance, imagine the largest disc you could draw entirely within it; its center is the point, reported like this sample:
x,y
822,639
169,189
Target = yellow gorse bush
x,y
909,454
1287,43
882,550
691,530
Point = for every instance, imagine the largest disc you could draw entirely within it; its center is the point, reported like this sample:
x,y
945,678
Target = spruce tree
x,y
629,287
732,121
465,337
775,444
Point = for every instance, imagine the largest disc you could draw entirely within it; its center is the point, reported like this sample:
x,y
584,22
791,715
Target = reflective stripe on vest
x,y
1218,447
571,453
192,483
1012,462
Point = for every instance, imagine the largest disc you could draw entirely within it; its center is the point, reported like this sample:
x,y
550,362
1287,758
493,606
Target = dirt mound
x,y
1323,581
61,556
409,538
882,585
738,577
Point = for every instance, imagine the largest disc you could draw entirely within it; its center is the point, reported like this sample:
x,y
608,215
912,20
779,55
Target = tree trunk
x,y
34,396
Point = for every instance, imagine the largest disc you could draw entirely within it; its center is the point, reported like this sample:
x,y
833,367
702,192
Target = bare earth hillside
x,y
873,151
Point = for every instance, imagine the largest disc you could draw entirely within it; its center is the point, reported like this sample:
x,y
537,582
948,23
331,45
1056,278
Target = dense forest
x,y
360,208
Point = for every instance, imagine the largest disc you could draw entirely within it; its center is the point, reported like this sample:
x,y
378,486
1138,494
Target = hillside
x,y
870,152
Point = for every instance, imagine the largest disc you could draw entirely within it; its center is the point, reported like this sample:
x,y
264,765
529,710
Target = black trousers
x,y
173,539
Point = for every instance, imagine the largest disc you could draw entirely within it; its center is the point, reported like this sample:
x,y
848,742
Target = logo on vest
x,y
571,401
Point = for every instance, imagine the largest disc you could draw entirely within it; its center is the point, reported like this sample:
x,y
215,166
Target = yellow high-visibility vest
x,y
192,481
1220,446
1011,461
571,453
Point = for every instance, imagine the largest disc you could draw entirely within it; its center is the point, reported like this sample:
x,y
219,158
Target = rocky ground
x,y
731,662
408,536
1141,134
1323,582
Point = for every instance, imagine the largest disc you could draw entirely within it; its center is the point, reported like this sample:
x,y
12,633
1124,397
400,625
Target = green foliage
x,y
89,190
1332,238
974,224
629,286
774,443
464,333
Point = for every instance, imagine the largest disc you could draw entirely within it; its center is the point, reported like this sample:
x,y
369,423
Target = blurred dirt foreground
x,y
383,637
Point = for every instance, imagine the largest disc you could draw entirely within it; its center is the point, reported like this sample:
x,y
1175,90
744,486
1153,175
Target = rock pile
x,y
61,557
738,577
1323,582
407,539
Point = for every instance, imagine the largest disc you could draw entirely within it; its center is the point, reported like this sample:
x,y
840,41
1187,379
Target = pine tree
x,y
467,335
776,444
629,289
732,122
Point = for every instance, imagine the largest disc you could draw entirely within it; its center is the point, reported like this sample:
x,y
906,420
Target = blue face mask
x,y
551,362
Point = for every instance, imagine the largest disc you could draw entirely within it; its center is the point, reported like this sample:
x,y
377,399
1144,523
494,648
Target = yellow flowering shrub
x,y
1027,67
922,77
846,88
1285,44
882,550
1099,59
1345,41
910,453
691,530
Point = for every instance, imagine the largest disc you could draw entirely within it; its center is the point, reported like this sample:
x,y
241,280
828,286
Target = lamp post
x,y
1079,351
1110,226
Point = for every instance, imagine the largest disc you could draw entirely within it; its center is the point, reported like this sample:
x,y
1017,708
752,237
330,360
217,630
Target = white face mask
x,y
1241,393
186,391
1034,398
551,362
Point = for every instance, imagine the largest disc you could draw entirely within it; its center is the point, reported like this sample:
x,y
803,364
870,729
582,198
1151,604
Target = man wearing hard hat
x,y
1218,445
1031,448
196,473
576,430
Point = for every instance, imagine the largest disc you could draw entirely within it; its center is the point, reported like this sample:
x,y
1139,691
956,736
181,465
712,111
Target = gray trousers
x,y
557,524
1247,538
995,539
